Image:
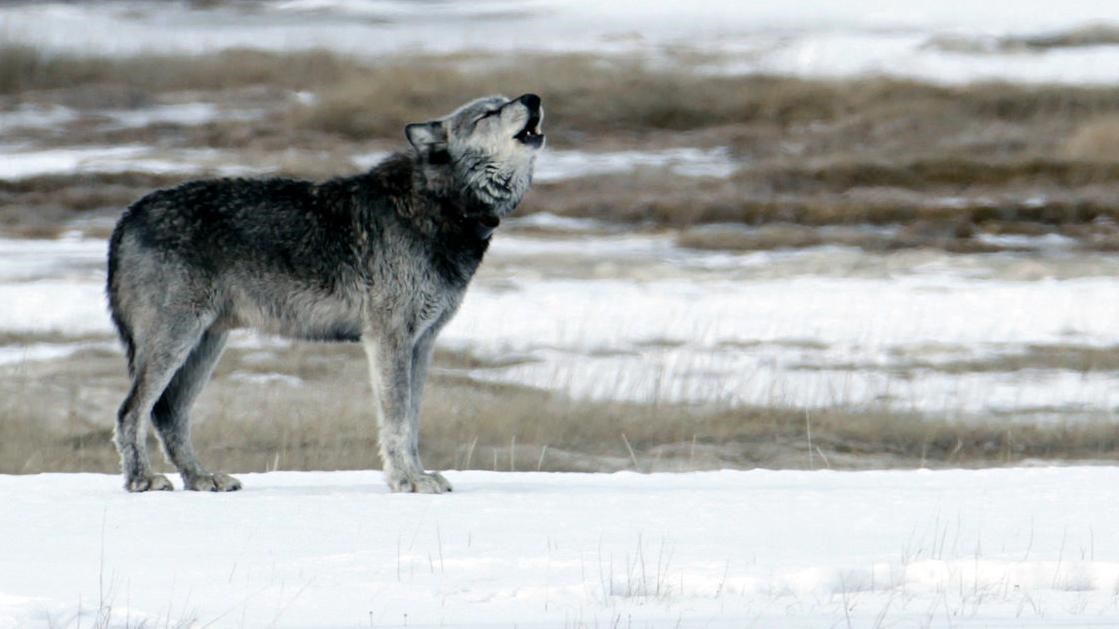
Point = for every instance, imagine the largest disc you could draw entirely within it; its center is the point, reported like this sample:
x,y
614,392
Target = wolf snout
x,y
532,101
530,134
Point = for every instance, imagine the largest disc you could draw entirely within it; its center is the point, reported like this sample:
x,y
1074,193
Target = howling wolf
x,y
382,257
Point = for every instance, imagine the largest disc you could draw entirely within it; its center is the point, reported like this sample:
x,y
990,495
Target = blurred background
x,y
785,234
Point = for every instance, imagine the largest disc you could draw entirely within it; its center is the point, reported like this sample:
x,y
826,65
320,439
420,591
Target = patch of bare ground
x,y
307,406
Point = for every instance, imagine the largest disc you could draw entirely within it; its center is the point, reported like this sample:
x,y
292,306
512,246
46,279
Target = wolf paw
x,y
419,483
212,482
148,482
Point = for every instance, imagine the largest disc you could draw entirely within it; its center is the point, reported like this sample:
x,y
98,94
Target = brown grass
x,y
63,423
1083,359
1088,35
930,173
584,94
839,194
81,192
26,69
41,207
811,152
1100,34
1096,140
764,237
949,235
592,96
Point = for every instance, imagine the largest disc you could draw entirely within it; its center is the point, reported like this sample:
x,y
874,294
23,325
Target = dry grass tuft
x,y
1096,140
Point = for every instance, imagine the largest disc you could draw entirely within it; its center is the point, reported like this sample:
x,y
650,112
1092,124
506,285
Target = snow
x,y
49,116
553,165
563,224
692,162
800,37
186,114
61,306
365,161
634,317
19,354
1000,547
20,162
36,116
67,257
595,335
266,378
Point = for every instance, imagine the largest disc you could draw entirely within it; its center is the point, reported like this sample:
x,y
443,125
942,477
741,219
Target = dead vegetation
x,y
132,81
812,152
1082,359
307,407
1087,35
617,97
1095,140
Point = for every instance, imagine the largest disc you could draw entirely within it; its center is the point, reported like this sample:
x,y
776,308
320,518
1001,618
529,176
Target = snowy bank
x,y
1027,546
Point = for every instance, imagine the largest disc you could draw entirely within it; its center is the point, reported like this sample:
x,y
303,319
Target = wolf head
x,y
486,149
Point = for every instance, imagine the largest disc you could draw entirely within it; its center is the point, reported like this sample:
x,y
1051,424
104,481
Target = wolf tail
x,y
112,291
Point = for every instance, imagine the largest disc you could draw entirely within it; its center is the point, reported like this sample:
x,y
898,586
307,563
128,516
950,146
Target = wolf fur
x,y
383,258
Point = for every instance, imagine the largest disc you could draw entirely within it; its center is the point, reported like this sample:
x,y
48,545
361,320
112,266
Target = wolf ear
x,y
427,137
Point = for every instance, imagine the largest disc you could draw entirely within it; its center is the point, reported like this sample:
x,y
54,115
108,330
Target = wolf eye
x,y
487,115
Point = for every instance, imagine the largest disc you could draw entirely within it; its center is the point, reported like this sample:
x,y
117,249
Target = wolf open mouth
x,y
531,135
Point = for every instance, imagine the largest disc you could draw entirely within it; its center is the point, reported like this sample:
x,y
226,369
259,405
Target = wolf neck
x,y
454,226
499,188
469,195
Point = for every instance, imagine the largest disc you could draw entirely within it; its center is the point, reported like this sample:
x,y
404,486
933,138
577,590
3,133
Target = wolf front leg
x,y
421,360
390,373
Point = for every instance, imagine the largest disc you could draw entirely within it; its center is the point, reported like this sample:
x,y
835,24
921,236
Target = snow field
x,y
1015,547
657,322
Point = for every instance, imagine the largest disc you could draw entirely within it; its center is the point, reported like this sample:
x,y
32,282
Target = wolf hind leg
x,y
171,415
158,355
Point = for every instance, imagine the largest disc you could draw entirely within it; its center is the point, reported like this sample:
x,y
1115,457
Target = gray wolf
x,y
383,258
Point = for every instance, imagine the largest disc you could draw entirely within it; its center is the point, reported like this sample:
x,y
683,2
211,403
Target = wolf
x,y
383,258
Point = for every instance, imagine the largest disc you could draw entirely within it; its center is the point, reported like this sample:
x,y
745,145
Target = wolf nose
x,y
532,101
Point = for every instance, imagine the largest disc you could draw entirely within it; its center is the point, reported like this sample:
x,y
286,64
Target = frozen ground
x,y
634,317
800,37
21,161
1028,547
